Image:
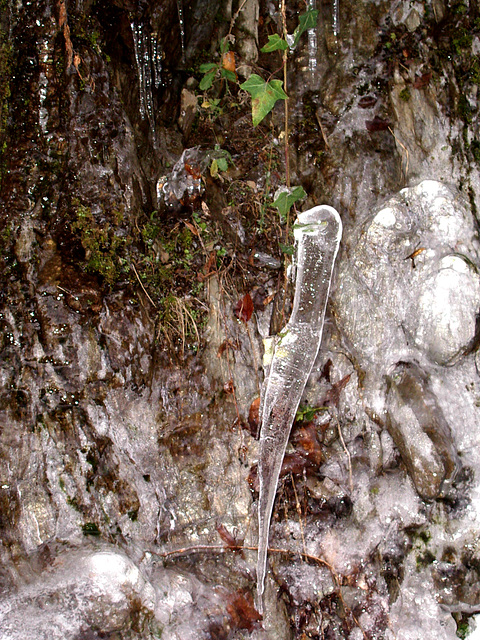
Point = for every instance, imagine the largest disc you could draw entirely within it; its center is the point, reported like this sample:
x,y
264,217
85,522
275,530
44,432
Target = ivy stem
x,y
285,54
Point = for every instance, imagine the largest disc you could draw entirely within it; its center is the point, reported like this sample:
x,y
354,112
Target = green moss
x,y
465,110
103,248
405,94
74,504
425,536
425,559
90,529
475,149
463,627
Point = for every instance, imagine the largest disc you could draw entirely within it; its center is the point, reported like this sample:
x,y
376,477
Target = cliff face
x,y
143,263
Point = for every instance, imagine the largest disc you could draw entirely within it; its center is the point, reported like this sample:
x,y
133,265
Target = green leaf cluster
x,y
307,414
212,69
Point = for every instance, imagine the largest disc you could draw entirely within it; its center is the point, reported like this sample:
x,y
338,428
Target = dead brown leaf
x,y
333,395
242,611
244,308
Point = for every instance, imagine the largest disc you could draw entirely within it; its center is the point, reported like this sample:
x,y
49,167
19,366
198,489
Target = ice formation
x,y
312,41
336,18
148,58
182,27
317,234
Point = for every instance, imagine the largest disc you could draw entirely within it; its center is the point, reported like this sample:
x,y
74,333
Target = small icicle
x,y
138,44
157,60
312,41
145,66
43,85
336,19
182,27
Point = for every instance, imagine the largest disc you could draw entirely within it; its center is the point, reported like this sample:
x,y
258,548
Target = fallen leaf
x,y
195,172
68,45
422,81
228,61
326,370
210,267
377,124
193,229
227,344
230,541
306,443
293,463
253,418
244,308
62,13
242,611
333,395
367,102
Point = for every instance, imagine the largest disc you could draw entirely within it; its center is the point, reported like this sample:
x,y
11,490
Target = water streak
x,y
336,18
157,60
317,234
312,41
182,27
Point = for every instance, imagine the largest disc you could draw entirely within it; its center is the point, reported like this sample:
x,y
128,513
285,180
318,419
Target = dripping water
x,y
182,27
336,18
312,41
157,60
43,86
148,58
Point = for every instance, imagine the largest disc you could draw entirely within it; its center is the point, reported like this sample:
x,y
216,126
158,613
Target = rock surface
x,y
131,330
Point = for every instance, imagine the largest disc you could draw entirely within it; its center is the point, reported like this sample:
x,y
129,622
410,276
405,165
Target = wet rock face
x,y
123,471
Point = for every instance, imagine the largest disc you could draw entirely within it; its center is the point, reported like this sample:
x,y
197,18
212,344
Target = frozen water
x,y
336,18
317,234
312,41
185,179
182,26
148,58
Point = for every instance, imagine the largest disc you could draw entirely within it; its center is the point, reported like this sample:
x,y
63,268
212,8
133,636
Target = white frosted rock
x,y
409,288
82,589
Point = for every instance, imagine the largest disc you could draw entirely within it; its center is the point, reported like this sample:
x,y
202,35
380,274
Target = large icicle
x,y
317,234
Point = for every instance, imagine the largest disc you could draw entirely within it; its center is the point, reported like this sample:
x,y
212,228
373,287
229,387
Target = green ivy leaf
x,y
229,75
306,21
208,66
288,249
222,164
264,95
224,46
275,43
287,198
207,80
